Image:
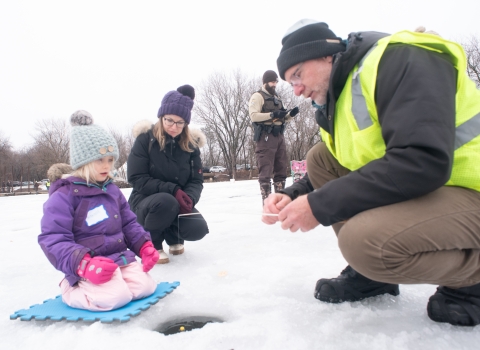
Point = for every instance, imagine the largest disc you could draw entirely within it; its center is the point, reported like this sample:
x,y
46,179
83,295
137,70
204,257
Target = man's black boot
x,y
459,307
278,186
351,286
265,190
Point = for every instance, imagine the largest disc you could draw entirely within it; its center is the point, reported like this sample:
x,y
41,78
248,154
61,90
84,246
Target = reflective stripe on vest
x,y
359,105
358,138
467,131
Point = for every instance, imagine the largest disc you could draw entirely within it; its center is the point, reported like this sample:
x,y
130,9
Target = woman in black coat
x,y
165,169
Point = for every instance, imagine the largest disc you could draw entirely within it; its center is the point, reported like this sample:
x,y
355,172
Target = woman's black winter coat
x,y
151,170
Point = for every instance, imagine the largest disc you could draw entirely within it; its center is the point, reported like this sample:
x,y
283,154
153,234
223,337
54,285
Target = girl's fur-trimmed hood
x,y
59,171
144,126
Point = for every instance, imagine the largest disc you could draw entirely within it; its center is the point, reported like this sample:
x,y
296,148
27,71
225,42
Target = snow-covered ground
x,y
258,279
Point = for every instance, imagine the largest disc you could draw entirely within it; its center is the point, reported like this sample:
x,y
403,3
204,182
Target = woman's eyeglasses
x,y
170,122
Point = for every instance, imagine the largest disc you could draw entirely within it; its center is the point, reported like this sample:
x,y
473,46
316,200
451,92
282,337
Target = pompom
x,y
81,117
420,29
187,90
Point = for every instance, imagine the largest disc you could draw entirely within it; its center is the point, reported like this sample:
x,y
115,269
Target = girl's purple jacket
x,y
80,218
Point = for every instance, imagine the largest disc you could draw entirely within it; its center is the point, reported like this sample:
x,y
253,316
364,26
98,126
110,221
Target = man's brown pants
x,y
432,239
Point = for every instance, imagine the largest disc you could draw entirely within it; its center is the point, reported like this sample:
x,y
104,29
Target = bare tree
x,y
211,152
125,143
5,144
472,50
5,150
30,168
52,141
6,156
302,132
222,107
51,145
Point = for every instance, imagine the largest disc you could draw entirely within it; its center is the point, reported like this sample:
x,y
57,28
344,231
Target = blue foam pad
x,y
56,310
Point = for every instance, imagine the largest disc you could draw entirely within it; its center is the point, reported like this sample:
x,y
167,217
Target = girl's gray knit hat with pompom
x,y
89,142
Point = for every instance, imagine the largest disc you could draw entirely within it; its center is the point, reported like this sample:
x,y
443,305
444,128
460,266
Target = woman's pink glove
x,y
149,256
186,203
97,270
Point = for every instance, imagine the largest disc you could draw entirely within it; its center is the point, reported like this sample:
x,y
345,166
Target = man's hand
x,y
278,116
272,205
298,216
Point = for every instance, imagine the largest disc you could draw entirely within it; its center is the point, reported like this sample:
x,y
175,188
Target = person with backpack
x,y
165,170
269,117
88,230
397,175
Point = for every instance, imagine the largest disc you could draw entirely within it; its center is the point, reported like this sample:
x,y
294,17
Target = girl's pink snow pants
x,y
128,283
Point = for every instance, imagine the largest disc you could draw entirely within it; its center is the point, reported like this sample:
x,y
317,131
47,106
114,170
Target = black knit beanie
x,y
269,76
307,40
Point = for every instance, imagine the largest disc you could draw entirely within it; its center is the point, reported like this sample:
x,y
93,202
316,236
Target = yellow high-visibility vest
x,y
358,137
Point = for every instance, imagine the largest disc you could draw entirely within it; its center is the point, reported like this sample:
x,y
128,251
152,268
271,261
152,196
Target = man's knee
x,y
315,149
322,166
316,153
362,248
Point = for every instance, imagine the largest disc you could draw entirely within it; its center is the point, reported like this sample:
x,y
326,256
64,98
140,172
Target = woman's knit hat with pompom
x,y
179,102
89,142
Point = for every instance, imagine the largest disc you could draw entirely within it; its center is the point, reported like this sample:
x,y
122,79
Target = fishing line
x,y
191,214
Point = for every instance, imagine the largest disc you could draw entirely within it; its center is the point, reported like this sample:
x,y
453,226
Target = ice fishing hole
x,y
186,324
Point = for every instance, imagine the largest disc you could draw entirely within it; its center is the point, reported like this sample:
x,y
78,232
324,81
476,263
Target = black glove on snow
x,y
294,112
278,116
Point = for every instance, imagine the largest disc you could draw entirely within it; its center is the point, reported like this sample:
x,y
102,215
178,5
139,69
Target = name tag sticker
x,y
96,215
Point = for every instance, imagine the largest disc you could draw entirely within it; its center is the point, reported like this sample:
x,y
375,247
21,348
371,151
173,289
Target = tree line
x,y
220,110
50,145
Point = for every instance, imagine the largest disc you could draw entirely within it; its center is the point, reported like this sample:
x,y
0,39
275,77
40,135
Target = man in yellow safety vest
x,y
397,175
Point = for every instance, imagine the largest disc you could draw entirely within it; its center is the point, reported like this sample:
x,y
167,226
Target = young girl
x,y
88,230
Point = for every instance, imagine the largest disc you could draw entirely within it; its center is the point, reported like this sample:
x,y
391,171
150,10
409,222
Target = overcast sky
x,y
117,58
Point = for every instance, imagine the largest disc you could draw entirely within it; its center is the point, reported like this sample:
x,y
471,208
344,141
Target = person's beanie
x,y
269,76
179,103
89,142
306,40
